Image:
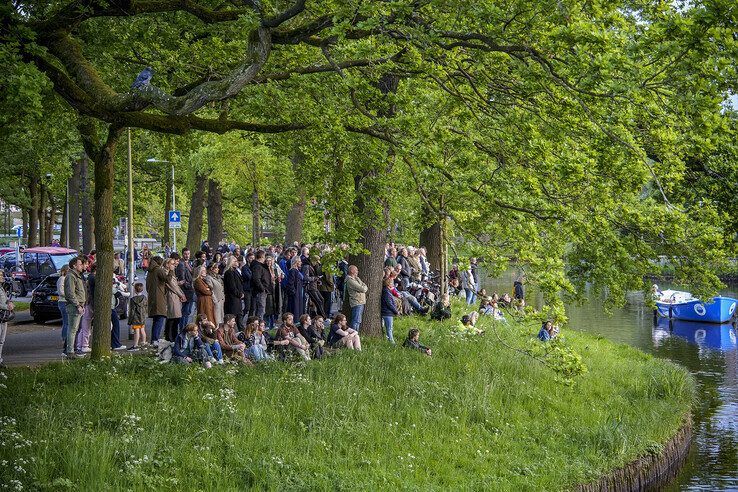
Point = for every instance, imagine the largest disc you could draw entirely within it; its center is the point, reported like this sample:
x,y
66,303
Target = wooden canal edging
x,y
650,472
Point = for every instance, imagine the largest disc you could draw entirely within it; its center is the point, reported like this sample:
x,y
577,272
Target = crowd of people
x,y
248,305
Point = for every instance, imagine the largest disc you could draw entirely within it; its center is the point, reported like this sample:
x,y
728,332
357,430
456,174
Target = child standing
x,y
138,311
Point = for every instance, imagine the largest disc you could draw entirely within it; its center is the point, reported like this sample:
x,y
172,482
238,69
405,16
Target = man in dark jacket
x,y
260,280
248,306
406,271
233,287
184,279
207,249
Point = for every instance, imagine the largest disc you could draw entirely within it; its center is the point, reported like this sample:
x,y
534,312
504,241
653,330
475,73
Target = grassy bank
x,y
477,415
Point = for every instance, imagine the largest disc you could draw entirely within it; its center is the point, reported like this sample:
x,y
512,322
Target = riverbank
x,y
478,414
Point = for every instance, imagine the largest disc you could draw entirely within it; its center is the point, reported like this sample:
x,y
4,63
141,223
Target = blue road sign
x,y
175,219
19,232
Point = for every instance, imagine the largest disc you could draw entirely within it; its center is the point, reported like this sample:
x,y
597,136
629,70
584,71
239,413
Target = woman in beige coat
x,y
175,298
216,285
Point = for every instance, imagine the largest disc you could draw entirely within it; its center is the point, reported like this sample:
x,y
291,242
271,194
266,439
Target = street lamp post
x,y
174,231
131,246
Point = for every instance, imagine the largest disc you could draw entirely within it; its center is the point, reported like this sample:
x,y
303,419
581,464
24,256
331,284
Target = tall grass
x,y
476,415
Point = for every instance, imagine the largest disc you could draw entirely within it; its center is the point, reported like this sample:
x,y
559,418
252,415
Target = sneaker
x,y
79,353
85,350
133,349
155,343
71,356
207,364
221,362
120,347
212,360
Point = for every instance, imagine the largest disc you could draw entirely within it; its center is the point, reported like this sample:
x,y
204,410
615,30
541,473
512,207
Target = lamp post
x,y
174,231
131,246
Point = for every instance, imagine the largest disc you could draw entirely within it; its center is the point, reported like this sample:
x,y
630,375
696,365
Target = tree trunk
x,y
167,207
33,191
87,206
52,220
74,203
215,213
296,215
42,215
255,227
63,232
104,182
26,227
197,207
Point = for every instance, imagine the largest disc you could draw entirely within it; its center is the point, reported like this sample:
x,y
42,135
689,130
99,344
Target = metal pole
x,y
131,260
174,207
66,218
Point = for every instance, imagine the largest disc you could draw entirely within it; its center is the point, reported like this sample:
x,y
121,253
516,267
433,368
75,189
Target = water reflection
x,y
710,352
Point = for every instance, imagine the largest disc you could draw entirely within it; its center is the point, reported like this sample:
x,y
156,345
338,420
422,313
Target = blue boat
x,y
715,336
682,306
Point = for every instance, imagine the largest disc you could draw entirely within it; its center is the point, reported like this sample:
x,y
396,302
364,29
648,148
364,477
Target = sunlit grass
x,y
476,415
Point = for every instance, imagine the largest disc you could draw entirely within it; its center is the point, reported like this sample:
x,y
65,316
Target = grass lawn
x,y
476,415
21,306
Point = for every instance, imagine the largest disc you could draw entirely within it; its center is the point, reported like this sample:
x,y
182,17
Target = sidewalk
x,y
31,344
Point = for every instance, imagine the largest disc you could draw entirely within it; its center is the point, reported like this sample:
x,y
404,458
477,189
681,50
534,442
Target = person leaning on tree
x,y
75,294
356,293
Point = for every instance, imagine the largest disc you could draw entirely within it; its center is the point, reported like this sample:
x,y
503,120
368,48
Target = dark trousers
x,y
172,329
327,303
260,301
318,301
115,330
248,306
187,308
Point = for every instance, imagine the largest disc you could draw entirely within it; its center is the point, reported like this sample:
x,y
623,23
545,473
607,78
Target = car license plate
x,y
54,298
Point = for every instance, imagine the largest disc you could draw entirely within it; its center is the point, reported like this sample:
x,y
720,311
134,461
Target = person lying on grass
x,y
413,342
343,336
188,347
548,331
466,324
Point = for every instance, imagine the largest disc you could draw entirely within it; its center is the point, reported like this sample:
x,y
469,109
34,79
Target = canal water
x,y
709,352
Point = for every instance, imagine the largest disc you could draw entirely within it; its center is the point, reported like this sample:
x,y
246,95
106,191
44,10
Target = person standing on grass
x,y
261,281
156,288
468,283
295,291
356,294
175,299
389,311
233,284
216,285
205,306
6,304
75,295
114,318
138,309
184,279
249,305
62,303
82,344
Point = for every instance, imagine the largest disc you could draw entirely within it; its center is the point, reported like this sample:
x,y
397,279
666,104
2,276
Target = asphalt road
x,y
31,344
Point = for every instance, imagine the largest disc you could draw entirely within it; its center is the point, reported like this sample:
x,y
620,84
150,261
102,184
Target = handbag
x,y
6,315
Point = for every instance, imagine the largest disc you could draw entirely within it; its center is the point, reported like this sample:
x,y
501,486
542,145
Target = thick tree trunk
x,y
87,206
215,213
167,207
26,227
33,191
197,207
52,220
255,226
42,215
296,215
433,238
104,182
74,204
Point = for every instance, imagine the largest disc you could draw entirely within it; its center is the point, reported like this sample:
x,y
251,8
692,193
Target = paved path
x,y
31,344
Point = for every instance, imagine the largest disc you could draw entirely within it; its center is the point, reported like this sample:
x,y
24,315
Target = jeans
x,y
471,296
270,320
388,320
413,302
157,326
114,329
356,313
257,353
186,312
213,350
65,319
75,318
3,332
261,302
85,328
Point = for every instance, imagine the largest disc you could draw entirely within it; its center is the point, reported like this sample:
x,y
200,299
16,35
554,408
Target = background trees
x,y
563,135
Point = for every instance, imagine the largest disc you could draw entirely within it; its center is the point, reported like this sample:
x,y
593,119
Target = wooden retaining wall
x,y
649,472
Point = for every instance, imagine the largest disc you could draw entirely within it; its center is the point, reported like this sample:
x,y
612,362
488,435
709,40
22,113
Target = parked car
x,y
45,297
38,263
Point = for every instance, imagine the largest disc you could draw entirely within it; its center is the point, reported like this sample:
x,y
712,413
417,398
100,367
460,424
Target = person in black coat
x,y
389,310
295,290
184,279
248,306
260,283
406,271
233,286
311,285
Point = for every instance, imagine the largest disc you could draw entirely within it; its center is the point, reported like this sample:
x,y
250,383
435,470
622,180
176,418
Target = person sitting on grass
x,y
442,309
209,336
228,338
138,311
288,337
341,335
548,331
413,342
315,335
257,342
466,324
188,347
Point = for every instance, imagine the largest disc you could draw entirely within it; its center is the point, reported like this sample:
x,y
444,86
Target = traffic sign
x,y
175,219
19,231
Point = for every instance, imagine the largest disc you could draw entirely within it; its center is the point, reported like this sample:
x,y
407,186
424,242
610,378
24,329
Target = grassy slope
x,y
475,416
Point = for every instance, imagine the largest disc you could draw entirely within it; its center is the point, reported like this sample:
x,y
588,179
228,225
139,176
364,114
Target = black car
x,y
44,301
